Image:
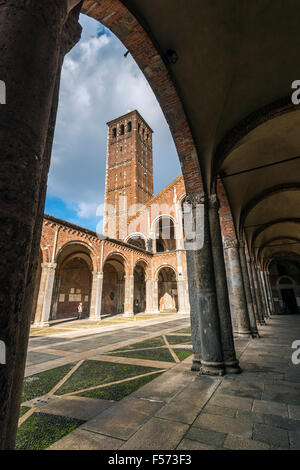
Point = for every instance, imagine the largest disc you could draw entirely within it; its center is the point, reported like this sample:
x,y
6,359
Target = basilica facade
x,y
138,263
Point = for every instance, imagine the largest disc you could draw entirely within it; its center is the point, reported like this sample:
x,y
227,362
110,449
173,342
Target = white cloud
x,y
99,84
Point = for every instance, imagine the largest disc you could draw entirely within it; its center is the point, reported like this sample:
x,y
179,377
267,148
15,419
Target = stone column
x,y
129,291
248,293
149,296
262,292
252,287
96,296
226,332
181,296
237,298
45,295
269,290
30,44
205,323
266,291
260,306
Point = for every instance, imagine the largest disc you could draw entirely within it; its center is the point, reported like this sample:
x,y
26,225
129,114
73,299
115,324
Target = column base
x,y
255,334
196,366
98,318
128,315
233,367
243,334
40,325
212,368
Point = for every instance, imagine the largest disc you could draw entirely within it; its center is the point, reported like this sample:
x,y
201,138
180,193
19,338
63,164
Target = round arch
x,y
113,293
73,281
167,289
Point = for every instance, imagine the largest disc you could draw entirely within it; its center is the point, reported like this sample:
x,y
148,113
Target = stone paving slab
x,y
271,435
80,439
37,358
157,434
205,436
237,443
232,402
124,418
187,404
270,407
76,407
294,411
224,424
165,387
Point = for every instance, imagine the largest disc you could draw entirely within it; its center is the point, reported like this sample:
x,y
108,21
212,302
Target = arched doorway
x,y
285,281
73,283
167,290
113,297
165,234
139,298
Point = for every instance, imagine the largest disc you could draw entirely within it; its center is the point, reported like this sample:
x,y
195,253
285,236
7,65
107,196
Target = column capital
x,y
97,274
214,202
196,198
49,266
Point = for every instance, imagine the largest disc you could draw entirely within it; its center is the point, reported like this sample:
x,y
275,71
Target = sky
x,y
99,84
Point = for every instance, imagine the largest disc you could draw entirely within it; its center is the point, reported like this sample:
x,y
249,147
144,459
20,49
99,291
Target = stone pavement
x,y
258,409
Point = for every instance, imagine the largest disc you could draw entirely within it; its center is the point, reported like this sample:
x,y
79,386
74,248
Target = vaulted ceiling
x,y
236,62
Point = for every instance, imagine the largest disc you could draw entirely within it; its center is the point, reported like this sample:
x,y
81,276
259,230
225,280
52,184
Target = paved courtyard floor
x,y
127,384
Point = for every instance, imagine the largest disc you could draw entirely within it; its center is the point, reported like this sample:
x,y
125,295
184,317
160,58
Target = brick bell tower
x,y
129,170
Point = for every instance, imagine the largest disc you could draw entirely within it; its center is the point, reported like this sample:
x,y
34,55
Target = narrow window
x,y
114,133
129,127
122,129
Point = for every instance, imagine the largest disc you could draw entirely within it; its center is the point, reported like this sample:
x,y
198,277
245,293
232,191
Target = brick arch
x,y
147,267
165,266
115,16
121,255
91,252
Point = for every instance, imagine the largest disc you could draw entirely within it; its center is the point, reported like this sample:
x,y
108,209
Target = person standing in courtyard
x,y
79,311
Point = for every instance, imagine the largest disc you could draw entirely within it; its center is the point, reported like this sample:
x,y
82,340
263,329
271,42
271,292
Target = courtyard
x,y
127,384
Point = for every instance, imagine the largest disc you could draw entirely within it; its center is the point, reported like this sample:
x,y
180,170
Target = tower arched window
x,y
122,129
114,132
129,127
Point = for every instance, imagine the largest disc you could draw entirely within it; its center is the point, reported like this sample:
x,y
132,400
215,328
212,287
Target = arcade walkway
x,y
259,409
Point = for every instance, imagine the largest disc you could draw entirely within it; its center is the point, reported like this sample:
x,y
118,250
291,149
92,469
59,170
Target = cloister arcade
x,y
225,89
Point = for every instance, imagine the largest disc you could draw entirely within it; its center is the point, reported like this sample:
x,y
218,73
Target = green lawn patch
x,y
179,340
185,331
161,354
92,373
41,430
118,391
148,343
23,410
39,384
183,353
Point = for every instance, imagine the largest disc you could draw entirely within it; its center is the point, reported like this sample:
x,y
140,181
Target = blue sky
x,y
99,84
